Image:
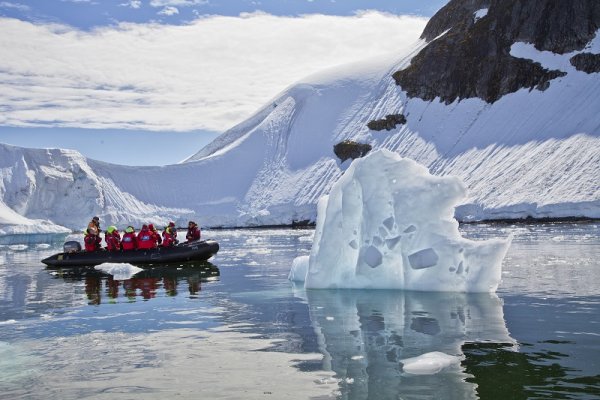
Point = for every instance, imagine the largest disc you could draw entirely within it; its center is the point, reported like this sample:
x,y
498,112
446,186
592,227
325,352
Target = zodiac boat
x,y
72,255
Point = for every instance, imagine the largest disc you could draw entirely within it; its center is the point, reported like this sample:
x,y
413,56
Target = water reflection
x,y
364,335
100,286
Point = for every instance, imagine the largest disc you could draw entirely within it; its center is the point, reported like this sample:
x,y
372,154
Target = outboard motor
x,y
72,246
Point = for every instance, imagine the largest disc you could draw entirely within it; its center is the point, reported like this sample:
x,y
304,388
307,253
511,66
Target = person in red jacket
x,y
193,232
112,237
155,233
146,238
169,237
92,241
129,241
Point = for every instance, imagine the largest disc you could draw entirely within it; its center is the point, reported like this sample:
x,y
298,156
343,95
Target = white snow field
x,y
529,154
389,224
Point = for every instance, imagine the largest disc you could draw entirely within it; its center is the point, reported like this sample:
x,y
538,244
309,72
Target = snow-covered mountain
x,y
504,94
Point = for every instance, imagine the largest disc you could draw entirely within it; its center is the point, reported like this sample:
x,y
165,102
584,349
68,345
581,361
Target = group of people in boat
x,y
147,238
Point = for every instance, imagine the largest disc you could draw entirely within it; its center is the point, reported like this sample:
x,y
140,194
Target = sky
x,y
150,82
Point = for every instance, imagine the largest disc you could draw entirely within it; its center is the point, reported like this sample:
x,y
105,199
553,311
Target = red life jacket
x,y
146,239
157,237
92,242
129,241
168,238
113,241
193,233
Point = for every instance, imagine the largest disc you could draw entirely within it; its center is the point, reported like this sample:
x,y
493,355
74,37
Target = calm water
x,y
241,330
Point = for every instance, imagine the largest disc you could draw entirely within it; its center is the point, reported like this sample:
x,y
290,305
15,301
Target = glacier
x,y
529,154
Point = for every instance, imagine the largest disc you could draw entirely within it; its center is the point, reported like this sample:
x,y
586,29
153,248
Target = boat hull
x,y
194,251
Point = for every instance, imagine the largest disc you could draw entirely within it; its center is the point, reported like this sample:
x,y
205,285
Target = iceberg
x,y
389,224
428,363
119,271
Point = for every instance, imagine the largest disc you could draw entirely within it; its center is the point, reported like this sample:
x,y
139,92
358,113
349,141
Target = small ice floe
x,y
428,363
254,240
42,246
119,271
18,247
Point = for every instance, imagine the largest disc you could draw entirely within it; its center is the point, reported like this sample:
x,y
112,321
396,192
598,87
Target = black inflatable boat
x,y
192,251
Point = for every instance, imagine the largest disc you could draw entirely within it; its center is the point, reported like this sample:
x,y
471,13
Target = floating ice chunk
x,y
428,363
119,271
426,258
18,247
389,224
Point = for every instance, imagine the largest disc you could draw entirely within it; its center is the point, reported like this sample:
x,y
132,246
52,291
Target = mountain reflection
x,y
100,286
364,335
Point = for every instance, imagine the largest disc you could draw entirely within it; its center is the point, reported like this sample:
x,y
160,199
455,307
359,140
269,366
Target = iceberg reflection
x,y
364,335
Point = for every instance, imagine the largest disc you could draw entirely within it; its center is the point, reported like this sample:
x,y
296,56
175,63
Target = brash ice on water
x,y
389,224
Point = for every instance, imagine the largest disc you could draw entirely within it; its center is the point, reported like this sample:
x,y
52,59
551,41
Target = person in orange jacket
x,y
94,225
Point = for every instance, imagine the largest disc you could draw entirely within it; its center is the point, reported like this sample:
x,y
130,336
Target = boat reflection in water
x,y
146,283
365,335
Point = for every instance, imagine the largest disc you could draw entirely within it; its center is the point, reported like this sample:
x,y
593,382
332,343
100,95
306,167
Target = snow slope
x,y
531,153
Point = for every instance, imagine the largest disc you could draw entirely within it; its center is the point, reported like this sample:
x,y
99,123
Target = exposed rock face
x,y
472,57
388,123
586,62
349,149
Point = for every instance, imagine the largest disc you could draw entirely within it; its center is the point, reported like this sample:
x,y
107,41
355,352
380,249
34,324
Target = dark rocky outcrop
x,y
350,149
472,57
586,62
388,123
